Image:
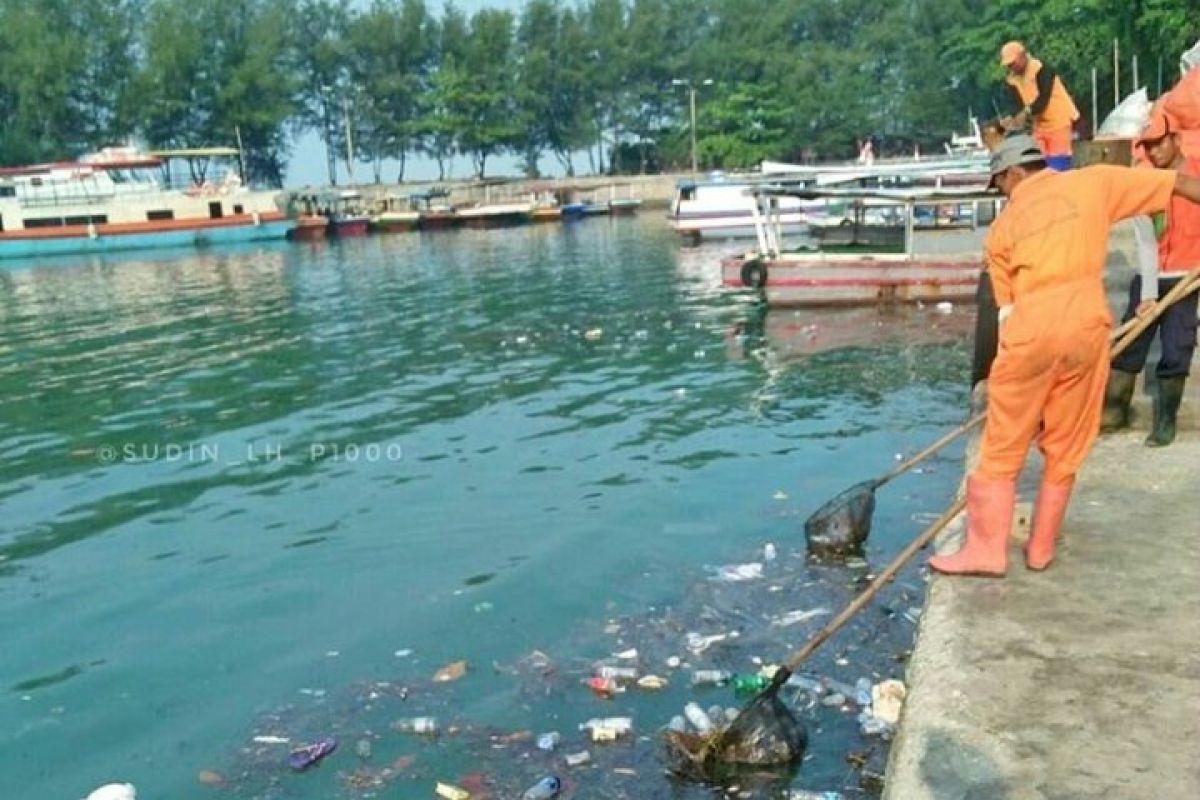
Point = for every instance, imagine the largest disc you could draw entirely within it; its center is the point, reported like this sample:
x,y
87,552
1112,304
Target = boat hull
x,y
816,280
501,220
624,207
344,228
113,237
308,229
721,226
398,225
546,215
437,220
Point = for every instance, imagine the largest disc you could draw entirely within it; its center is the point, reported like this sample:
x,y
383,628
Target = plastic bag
x,y
1190,59
1128,119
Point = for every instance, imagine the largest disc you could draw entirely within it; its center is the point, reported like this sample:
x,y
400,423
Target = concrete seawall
x,y
655,191
1082,681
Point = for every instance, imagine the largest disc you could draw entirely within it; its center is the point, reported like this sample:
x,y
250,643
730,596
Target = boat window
x,y
97,219
44,222
8,191
35,181
238,209
214,210
158,215
687,193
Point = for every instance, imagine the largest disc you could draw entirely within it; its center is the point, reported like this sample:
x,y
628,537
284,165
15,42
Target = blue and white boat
x,y
123,199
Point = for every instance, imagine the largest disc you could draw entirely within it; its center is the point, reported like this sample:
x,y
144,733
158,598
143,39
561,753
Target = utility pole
x,y
349,143
692,102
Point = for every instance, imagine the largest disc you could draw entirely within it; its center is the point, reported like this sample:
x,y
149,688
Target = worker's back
x,y
1054,229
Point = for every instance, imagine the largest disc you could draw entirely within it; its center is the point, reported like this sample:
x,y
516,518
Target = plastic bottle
x,y
695,715
711,677
749,684
608,728
544,789
677,724
806,683
422,726
862,692
549,741
616,673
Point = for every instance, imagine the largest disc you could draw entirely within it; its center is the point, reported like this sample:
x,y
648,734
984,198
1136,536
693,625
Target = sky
x,y
307,166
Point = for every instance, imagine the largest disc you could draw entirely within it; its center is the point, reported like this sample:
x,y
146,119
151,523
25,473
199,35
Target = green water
x,y
233,484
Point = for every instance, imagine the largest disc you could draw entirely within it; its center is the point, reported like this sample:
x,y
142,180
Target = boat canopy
x,y
196,152
910,196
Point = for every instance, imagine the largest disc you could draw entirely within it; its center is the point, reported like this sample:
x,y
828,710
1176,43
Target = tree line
x,y
605,81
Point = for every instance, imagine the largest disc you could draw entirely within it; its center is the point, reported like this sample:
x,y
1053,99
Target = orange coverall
x,y
1046,253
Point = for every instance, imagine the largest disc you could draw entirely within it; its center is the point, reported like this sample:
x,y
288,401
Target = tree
x,y
214,71
319,42
391,54
482,99
438,121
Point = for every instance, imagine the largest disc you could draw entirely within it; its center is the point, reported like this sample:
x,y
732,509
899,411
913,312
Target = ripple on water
x,y
588,398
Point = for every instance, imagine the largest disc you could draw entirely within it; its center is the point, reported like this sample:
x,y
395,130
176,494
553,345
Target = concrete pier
x,y
1082,681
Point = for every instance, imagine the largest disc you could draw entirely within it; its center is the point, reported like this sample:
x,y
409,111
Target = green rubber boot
x,y
1166,408
1117,396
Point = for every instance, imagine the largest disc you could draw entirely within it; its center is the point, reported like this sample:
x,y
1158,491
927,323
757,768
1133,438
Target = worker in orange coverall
x,y
1046,253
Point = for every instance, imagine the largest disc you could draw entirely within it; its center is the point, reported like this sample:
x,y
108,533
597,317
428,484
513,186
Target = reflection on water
x,y
220,467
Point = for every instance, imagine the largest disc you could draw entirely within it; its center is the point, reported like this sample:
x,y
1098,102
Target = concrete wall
x,y
655,191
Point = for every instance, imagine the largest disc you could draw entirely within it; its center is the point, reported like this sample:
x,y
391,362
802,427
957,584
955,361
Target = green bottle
x,y
749,684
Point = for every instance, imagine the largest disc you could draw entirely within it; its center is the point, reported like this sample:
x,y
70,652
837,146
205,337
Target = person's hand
x,y
1145,307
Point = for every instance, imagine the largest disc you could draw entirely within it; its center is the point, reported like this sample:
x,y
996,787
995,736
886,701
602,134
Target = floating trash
x,y
652,683
798,616
733,573
449,791
545,789
450,672
309,755
114,791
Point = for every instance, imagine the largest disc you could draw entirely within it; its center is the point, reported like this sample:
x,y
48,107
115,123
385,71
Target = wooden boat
x,y
546,213
495,215
624,205
945,266
309,228
434,212
346,218
591,207
123,199
395,214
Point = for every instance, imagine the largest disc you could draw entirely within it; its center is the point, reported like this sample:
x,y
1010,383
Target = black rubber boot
x,y
1117,396
1166,407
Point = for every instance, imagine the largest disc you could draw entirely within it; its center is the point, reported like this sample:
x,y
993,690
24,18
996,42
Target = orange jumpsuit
x,y
1052,127
1046,253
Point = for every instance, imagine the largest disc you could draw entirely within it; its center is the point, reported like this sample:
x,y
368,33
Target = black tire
x,y
754,274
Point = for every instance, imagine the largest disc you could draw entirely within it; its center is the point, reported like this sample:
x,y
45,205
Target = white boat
x,y
921,268
122,198
720,208
495,215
